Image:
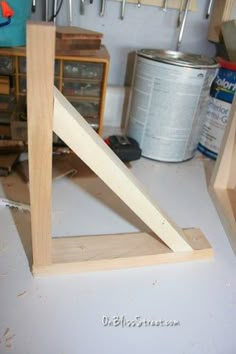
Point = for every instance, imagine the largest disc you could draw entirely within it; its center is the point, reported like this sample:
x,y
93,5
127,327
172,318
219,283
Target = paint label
x,y
222,93
167,109
224,85
213,128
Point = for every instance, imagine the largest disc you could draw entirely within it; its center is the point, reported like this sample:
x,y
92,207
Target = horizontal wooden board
x,y
106,252
5,131
72,32
6,162
87,248
70,47
100,55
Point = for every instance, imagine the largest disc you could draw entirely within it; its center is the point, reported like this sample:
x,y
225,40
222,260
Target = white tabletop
x,y
66,314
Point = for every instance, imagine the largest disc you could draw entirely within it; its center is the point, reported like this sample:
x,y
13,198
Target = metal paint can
x,y
221,97
169,99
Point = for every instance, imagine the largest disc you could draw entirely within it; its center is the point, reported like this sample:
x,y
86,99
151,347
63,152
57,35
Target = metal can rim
x,y
189,60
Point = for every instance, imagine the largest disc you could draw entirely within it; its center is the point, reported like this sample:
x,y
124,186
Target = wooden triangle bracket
x,y
49,110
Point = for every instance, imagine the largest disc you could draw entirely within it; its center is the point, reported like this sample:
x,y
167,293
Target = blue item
x,y
224,85
221,97
13,29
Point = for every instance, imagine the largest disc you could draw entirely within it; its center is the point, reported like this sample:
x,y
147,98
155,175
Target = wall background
x,y
148,26
144,27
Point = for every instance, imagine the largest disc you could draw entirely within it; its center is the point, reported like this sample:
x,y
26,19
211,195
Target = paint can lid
x,y
178,58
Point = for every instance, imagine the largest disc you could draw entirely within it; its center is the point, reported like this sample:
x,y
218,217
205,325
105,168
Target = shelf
x,y
81,78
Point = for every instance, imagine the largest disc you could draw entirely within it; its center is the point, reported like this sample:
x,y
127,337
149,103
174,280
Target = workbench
x,y
69,313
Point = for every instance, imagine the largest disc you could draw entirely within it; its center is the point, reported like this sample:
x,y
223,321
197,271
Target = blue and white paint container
x,y
221,97
169,98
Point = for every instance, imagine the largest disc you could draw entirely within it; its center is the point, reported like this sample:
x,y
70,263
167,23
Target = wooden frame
x,y
72,254
223,181
4,85
221,11
229,34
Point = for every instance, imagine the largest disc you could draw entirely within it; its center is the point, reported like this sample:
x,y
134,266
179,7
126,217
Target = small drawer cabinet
x,y
82,79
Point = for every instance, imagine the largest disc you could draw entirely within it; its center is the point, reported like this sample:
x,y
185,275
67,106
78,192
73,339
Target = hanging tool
x,y
82,10
122,15
7,12
103,5
209,8
33,5
187,2
54,10
46,10
165,4
179,15
70,12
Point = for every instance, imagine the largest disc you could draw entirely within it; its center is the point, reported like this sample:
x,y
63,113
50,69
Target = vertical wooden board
x,y
70,126
40,78
231,184
223,176
224,206
229,35
232,172
102,104
221,12
223,179
232,199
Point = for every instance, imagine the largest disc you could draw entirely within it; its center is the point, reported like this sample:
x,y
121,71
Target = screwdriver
x,y
34,6
165,5
55,11
70,12
46,10
183,24
81,7
209,8
103,5
122,15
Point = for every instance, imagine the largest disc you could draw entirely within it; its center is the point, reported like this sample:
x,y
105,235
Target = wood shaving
x,y
6,332
3,274
22,294
9,338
